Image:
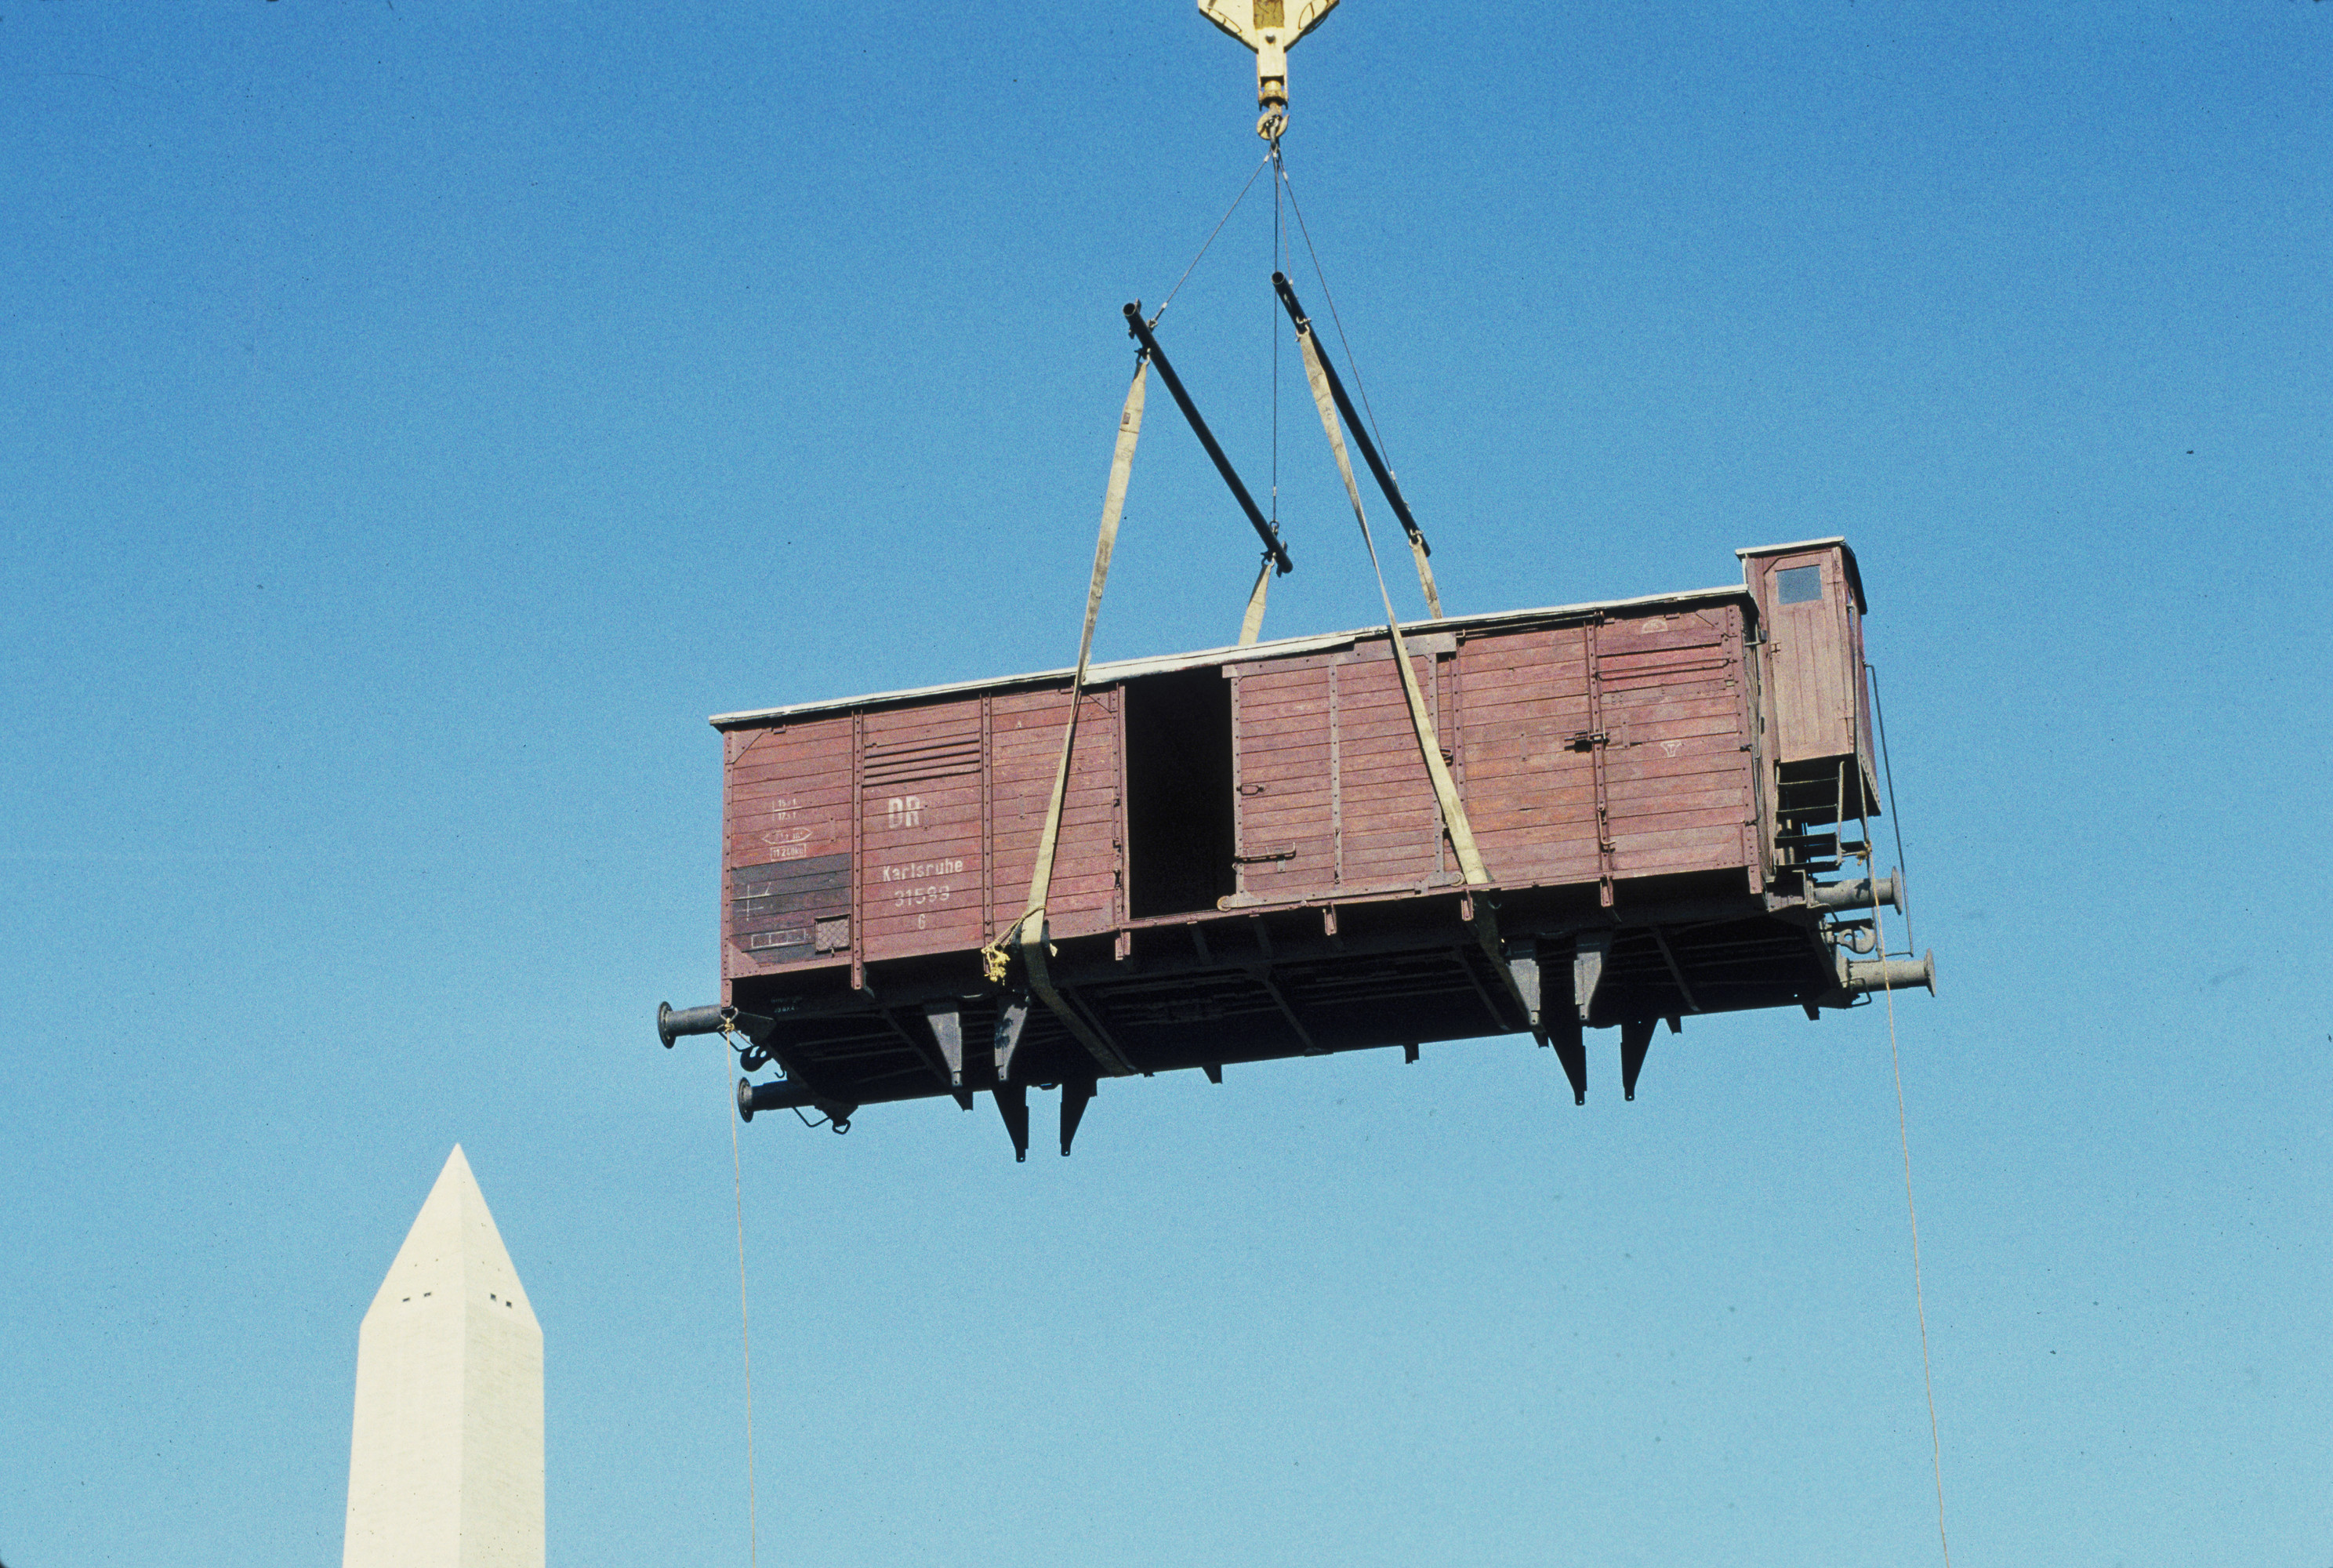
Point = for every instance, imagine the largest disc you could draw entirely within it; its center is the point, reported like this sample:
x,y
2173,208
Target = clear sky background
x,y
414,418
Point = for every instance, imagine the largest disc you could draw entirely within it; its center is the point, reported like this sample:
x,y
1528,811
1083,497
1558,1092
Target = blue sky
x,y
415,419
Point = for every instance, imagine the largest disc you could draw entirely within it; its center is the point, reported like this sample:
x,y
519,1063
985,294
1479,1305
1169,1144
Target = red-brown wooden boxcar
x,y
1253,863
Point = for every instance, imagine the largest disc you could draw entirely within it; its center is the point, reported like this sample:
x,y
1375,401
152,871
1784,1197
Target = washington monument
x,y
445,1464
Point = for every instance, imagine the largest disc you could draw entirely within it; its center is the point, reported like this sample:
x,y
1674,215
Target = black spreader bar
x,y
1265,531
1353,425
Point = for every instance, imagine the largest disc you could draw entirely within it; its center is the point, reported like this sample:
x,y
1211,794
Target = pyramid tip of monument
x,y
455,1242
456,1182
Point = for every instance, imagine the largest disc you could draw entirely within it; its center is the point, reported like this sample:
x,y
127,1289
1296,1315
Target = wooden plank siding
x,y
1283,779
1531,791
921,829
1678,750
1392,823
1810,650
787,812
1592,748
1816,701
1088,867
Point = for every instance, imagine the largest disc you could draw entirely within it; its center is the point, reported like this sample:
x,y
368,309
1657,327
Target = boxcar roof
x,y
1127,668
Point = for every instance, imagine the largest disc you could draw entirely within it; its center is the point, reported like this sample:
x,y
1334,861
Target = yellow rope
x,y
1904,1136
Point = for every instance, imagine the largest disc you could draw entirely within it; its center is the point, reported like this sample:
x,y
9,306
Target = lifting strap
x,y
1418,548
1430,746
1425,575
1252,623
1484,918
1029,932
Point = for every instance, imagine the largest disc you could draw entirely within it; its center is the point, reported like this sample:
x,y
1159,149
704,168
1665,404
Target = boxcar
x,y
1252,864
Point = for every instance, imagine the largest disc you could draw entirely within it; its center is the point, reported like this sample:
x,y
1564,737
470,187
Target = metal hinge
x,y
1586,739
1262,855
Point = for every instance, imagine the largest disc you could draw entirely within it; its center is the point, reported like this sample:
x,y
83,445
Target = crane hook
x,y
1263,26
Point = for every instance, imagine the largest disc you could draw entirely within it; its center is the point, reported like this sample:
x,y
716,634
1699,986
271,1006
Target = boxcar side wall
x,y
1589,751
1252,862
1531,782
787,894
901,831
1285,844
1392,824
1679,745
1082,898
922,790
1619,748
1332,795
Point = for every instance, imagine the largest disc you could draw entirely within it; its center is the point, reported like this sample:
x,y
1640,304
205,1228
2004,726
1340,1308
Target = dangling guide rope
x,y
745,1315
1903,1137
1029,932
1895,818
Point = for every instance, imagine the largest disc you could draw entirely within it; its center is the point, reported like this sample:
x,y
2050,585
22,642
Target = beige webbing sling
x,y
1425,575
1029,932
1252,623
1430,746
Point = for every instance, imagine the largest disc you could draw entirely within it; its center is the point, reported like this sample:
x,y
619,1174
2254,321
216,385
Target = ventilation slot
x,y
913,762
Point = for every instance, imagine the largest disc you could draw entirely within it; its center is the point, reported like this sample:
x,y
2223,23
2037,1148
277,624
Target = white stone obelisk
x,y
446,1466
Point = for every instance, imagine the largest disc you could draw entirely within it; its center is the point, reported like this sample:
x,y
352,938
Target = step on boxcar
x,y
1665,793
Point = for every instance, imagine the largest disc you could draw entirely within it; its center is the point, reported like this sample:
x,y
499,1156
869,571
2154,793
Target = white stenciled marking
x,y
916,897
920,871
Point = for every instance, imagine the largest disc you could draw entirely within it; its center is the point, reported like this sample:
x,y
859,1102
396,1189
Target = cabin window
x,y
1178,793
1800,584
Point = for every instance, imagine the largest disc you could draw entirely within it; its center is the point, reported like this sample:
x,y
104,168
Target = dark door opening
x,y
1178,793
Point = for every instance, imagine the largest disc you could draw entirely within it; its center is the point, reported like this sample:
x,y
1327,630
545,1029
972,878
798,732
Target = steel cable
x,y
1211,239
1343,341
